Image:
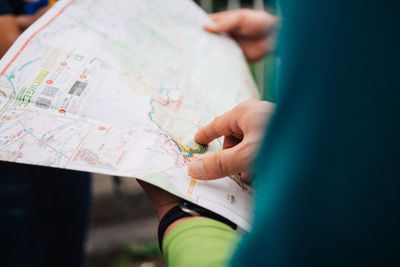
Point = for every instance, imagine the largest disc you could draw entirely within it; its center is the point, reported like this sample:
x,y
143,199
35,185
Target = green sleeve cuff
x,y
199,242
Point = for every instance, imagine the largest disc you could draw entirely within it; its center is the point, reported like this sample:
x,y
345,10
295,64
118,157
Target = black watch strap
x,y
187,209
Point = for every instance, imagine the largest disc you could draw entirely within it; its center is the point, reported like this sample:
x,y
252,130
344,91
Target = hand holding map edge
x,y
253,30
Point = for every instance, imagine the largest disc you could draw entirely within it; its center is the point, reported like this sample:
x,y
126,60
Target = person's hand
x,y
161,200
253,30
243,129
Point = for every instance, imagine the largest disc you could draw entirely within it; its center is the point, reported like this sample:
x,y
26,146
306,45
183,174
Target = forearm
x,y
194,240
9,32
198,242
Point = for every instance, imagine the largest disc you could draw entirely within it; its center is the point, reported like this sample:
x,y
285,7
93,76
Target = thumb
x,y
217,165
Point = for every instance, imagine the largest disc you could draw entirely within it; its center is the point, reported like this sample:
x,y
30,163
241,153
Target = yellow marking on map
x,y
191,187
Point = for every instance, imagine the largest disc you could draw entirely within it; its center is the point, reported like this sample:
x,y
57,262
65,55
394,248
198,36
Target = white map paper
x,y
121,88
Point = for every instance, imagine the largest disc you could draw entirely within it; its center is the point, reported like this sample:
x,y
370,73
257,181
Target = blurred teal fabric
x,y
328,173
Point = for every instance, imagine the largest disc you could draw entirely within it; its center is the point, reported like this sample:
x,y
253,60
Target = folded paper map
x,y
121,88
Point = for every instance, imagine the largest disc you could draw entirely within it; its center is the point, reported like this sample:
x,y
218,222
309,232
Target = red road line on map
x,y
33,35
178,105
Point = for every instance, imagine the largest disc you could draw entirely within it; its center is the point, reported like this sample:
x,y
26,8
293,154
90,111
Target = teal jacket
x,y
328,172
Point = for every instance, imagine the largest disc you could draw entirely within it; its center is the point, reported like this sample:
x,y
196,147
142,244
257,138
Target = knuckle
x,y
217,118
245,155
245,105
206,135
218,166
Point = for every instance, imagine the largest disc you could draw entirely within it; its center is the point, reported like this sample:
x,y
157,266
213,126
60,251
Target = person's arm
x,y
200,241
191,241
9,32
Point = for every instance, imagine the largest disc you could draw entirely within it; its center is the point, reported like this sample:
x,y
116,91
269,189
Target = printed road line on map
x,y
38,139
33,36
77,147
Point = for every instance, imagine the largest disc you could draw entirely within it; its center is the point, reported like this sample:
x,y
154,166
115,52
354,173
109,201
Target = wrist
x,y
163,209
182,212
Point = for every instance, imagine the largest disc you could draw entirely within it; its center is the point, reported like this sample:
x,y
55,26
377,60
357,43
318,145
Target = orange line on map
x,y
33,35
191,187
77,147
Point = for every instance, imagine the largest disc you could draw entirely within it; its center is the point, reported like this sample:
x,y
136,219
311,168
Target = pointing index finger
x,y
220,126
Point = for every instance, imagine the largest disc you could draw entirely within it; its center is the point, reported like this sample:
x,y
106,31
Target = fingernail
x,y
196,169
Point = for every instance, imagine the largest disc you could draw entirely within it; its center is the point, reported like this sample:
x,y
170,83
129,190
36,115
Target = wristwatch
x,y
187,209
